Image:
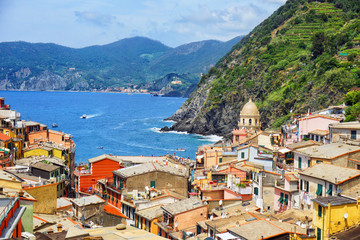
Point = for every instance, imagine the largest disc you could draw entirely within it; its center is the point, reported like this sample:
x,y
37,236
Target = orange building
x,y
100,167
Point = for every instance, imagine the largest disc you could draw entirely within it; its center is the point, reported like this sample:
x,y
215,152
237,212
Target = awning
x,y
226,236
284,150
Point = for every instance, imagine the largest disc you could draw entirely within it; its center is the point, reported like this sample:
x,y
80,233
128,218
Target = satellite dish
x,y
220,202
176,224
146,188
211,217
346,215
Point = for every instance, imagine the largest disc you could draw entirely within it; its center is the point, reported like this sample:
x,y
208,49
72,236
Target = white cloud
x,y
94,18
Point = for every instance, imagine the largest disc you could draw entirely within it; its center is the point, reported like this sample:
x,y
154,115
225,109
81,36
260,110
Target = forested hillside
x,y
304,56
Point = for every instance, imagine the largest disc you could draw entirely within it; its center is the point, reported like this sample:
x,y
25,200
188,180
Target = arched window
x,y
243,121
250,121
255,121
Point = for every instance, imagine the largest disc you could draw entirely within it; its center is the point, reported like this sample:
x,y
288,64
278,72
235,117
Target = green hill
x,y
304,56
131,61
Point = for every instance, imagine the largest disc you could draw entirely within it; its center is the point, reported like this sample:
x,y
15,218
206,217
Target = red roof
x,y
4,137
113,210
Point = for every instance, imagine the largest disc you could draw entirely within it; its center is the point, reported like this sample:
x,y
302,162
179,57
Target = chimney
x,y
21,193
59,227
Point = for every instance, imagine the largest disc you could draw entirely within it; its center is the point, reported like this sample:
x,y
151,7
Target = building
x,y
250,117
146,218
333,214
263,183
321,136
152,175
286,193
334,153
88,208
45,196
181,215
314,122
139,200
100,167
264,229
345,131
256,154
323,180
10,218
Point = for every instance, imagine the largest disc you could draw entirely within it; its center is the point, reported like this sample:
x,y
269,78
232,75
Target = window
x,y
353,134
220,160
152,184
250,121
319,190
309,163
318,235
329,191
243,121
319,211
286,200
242,155
317,138
255,121
256,191
299,165
281,199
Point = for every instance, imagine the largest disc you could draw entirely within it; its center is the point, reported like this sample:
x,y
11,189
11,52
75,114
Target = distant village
x,y
301,182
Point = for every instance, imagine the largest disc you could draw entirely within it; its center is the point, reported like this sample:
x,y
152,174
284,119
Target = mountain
x,y
128,62
173,85
305,56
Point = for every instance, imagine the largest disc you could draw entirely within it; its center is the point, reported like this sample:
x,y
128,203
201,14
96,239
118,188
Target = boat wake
x,y
94,115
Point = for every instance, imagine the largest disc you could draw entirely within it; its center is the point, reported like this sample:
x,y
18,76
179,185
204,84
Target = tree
x,y
318,44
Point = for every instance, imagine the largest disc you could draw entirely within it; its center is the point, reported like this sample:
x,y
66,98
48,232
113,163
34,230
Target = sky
x,y
81,23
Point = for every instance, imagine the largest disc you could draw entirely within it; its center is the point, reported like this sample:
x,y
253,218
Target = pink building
x,y
286,194
314,122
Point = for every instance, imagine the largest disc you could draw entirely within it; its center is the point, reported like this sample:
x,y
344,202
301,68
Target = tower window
x,y
255,121
243,121
250,121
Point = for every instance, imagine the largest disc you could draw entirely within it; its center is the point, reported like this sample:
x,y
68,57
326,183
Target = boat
x,y
181,149
84,116
54,125
101,147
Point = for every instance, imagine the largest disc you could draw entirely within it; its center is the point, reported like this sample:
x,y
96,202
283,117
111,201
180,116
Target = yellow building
x,y
46,150
37,151
146,219
334,214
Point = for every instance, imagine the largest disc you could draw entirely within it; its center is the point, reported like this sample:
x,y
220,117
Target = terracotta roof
x,y
88,200
102,157
45,166
303,144
269,229
319,116
183,206
151,212
333,200
149,167
346,125
4,137
331,173
328,151
319,132
113,210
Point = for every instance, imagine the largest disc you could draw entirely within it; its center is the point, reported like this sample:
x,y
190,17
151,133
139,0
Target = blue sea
x,y
125,125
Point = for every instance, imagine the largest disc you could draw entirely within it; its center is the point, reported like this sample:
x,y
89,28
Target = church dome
x,y
249,109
